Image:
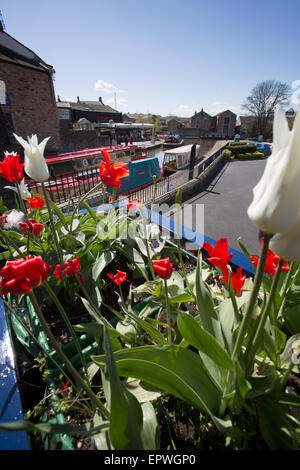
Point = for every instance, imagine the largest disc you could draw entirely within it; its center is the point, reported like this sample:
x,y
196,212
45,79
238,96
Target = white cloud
x,y
183,110
107,87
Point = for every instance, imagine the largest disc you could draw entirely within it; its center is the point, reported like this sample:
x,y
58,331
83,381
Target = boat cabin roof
x,y
179,150
87,153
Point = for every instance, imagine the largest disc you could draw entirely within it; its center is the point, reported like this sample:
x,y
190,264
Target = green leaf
x,y
126,417
202,340
142,391
172,369
101,439
88,429
135,258
291,317
150,433
146,326
101,262
208,315
274,420
59,213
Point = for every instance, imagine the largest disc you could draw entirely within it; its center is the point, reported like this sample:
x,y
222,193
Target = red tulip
x,y
118,278
36,202
237,278
23,275
111,174
132,206
218,255
31,226
271,262
3,220
71,268
163,267
11,169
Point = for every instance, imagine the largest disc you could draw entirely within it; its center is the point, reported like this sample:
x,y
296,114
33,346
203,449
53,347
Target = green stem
x,y
68,324
12,243
287,285
82,199
253,346
168,312
250,307
286,376
77,377
21,201
90,300
178,207
54,234
147,241
154,197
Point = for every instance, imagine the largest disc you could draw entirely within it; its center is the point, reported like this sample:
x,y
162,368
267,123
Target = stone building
x,y
174,126
224,123
202,121
27,96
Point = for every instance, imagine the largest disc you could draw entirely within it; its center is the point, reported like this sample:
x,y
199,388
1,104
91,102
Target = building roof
x,y
13,51
223,112
87,106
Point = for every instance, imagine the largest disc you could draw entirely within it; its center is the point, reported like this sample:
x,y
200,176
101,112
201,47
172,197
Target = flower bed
x,y
140,345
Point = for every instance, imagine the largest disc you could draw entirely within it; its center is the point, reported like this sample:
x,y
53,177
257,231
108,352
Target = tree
x,y
157,125
264,99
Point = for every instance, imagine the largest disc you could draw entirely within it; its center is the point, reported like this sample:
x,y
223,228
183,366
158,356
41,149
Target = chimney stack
x,y
78,100
100,99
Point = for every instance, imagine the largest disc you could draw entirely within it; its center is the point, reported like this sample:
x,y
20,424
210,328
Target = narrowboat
x,y
172,141
141,174
179,159
74,174
64,163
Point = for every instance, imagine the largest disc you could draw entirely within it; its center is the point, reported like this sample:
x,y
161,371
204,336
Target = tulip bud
x,y
276,202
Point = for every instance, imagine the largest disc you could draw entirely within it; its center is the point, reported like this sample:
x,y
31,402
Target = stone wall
x,y
72,140
32,103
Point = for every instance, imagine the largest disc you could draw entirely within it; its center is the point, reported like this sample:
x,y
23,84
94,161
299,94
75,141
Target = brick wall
x,y
33,106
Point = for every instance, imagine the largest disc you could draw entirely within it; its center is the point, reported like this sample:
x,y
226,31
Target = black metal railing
x,y
71,187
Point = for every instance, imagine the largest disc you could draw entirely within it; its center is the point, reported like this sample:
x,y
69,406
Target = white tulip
x,y
23,189
35,163
286,244
276,202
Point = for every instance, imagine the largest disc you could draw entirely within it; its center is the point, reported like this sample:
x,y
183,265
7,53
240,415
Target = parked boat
x,y
73,174
65,163
172,141
140,176
178,158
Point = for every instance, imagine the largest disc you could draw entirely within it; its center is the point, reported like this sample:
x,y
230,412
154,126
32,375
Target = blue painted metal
x,y
188,235
10,400
191,236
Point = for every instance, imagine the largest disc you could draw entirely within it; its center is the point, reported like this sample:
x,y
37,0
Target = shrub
x,y
240,149
227,154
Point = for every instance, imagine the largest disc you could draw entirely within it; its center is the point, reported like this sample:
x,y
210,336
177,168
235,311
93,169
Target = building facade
x,y
27,96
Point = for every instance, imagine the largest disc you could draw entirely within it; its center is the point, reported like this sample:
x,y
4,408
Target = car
x,y
266,149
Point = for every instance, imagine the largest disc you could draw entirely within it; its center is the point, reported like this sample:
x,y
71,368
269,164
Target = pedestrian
x,y
126,140
131,140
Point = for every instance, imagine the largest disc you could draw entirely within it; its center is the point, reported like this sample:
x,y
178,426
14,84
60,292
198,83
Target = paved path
x,y
225,204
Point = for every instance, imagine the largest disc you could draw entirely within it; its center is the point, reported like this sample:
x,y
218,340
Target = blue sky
x,y
160,56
